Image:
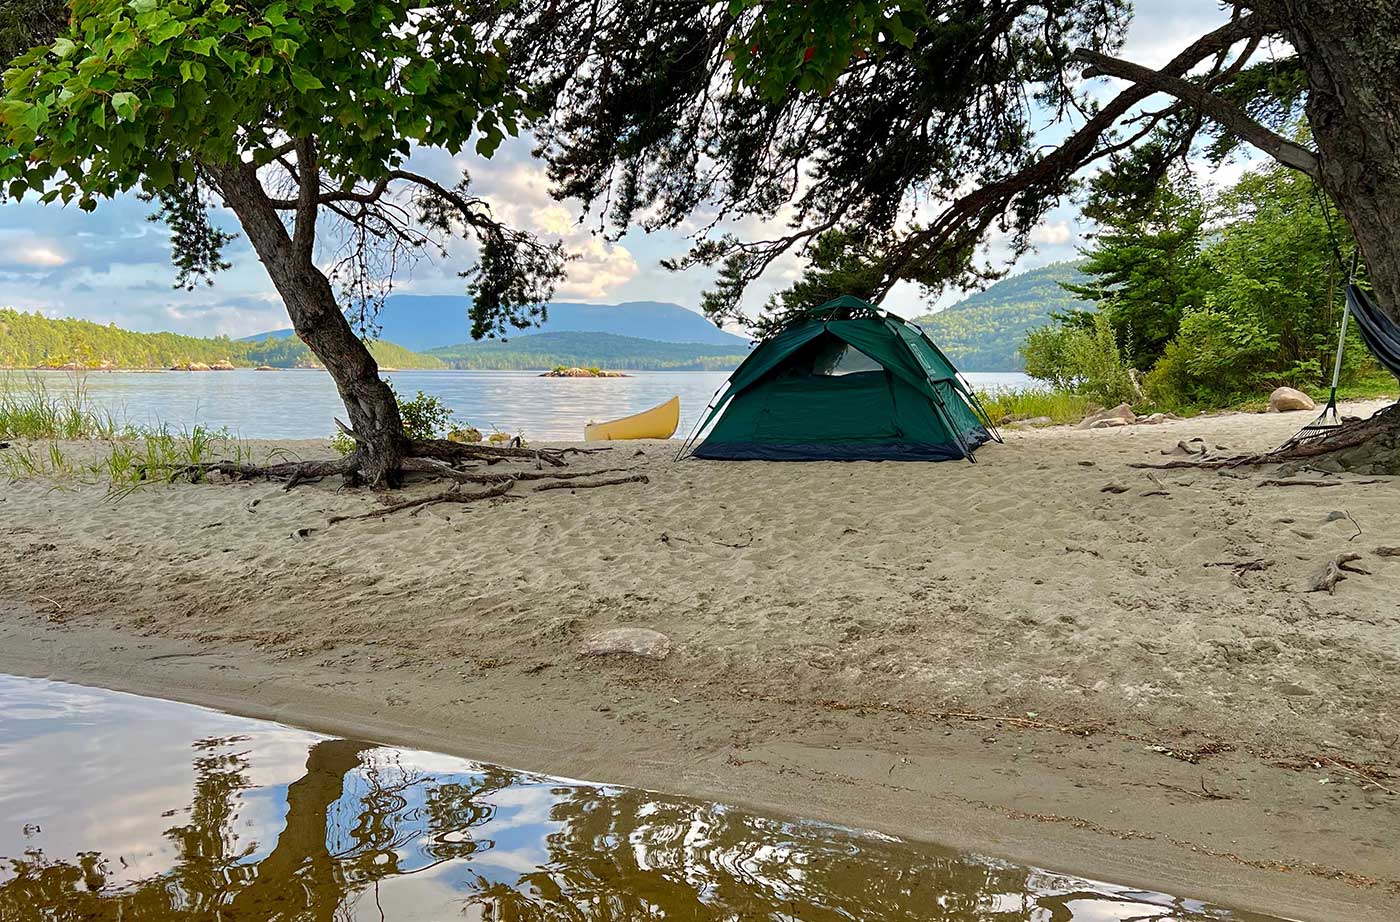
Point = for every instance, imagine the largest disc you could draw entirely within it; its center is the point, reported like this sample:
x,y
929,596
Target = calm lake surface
x,y
301,403
116,807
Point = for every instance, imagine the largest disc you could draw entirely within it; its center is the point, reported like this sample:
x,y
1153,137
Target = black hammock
x,y
1381,334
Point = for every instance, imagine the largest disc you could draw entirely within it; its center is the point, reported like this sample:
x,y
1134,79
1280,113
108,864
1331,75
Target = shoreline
x,y
1035,819
1002,657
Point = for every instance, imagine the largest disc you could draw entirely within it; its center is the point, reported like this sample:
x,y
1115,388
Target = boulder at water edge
x,y
1286,399
1120,415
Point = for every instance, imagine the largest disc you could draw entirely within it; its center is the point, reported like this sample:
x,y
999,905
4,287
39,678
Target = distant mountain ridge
x,y
595,350
426,322
985,330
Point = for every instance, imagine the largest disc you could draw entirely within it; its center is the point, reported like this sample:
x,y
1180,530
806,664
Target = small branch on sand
x,y
1193,756
1161,488
1335,571
453,495
1204,793
586,485
1354,522
1241,567
1371,775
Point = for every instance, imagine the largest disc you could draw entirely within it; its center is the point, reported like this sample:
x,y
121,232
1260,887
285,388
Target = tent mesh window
x,y
834,358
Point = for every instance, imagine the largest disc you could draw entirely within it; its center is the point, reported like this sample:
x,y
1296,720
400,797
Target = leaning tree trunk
x,y
1351,50
319,322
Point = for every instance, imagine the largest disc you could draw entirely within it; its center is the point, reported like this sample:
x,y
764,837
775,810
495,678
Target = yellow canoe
x,y
659,422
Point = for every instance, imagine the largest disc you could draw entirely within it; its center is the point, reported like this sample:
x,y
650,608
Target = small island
x,y
576,372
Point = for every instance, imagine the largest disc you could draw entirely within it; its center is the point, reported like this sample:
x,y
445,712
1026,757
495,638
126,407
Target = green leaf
x,y
125,105
305,81
64,48
164,97
161,174
166,31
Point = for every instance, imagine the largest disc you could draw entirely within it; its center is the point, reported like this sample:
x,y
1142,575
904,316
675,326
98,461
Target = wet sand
x,y
1002,656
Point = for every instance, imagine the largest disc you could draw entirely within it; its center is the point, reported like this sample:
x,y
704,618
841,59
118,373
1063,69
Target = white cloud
x,y
40,256
1052,232
599,270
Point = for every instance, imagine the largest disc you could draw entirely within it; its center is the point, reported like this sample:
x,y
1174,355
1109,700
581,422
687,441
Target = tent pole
x,y
700,421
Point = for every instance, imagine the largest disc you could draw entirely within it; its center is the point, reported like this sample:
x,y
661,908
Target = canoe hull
x,y
659,422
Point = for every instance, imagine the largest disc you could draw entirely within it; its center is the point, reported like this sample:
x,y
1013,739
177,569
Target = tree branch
x,y
966,219
1236,120
304,235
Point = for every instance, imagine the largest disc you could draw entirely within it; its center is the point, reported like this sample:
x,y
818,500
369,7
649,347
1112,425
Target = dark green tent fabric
x,y
845,382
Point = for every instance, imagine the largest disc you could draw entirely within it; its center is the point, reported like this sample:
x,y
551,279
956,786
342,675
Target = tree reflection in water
x,y
361,817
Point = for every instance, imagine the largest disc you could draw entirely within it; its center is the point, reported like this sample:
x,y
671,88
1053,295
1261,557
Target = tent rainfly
x,y
845,381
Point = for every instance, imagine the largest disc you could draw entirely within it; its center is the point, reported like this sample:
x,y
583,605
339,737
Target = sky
x,y
113,266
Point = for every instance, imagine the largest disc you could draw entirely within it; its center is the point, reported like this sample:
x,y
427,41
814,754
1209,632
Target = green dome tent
x,y
845,381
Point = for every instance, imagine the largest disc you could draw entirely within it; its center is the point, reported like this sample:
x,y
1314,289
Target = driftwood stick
x,y
1336,570
449,496
586,485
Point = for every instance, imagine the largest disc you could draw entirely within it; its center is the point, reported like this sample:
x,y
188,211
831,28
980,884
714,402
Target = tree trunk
x,y
319,322
1351,50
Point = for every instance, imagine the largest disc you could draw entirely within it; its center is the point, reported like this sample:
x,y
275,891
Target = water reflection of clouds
x,y
190,807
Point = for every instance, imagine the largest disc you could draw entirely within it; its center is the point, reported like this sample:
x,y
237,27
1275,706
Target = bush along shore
x,y
1203,300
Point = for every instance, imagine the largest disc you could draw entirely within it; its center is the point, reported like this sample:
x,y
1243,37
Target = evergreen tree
x,y
1145,269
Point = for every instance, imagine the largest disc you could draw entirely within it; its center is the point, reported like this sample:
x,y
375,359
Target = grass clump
x,y
38,422
33,413
1059,406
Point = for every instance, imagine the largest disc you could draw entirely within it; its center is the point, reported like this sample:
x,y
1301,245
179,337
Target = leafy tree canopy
x,y
912,119
158,96
222,79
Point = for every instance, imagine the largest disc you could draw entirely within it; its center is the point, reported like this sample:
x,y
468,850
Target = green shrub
x,y
1081,361
424,417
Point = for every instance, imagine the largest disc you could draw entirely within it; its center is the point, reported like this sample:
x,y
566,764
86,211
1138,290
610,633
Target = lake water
x,y
116,807
302,403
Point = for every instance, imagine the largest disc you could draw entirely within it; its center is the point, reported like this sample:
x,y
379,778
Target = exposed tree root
x,y
441,468
503,485
1316,483
589,484
1361,446
449,496
435,456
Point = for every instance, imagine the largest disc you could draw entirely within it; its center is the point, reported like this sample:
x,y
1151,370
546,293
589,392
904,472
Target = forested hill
x,y
32,340
983,331
597,350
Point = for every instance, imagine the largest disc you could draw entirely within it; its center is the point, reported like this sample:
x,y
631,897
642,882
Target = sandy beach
x,y
1048,655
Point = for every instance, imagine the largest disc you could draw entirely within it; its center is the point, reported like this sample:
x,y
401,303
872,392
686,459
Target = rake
x,y
1330,419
